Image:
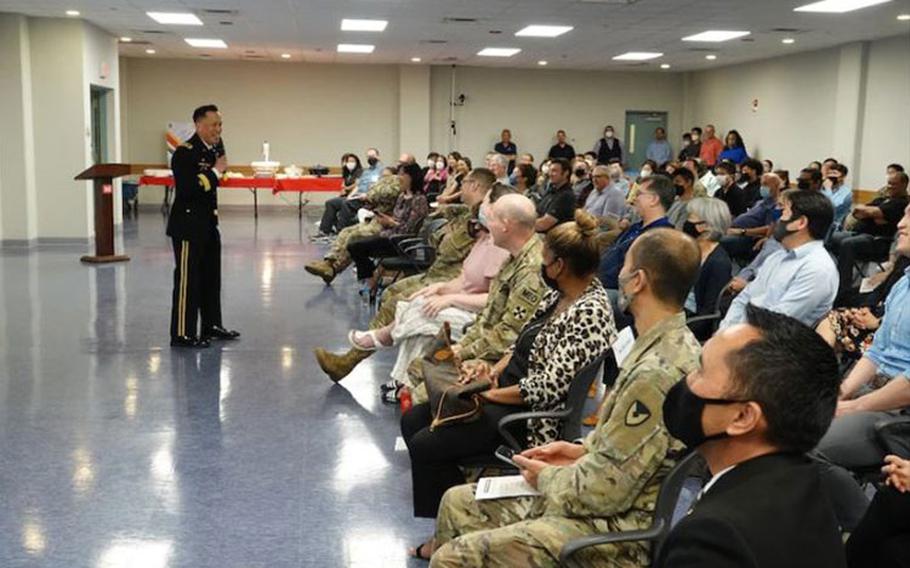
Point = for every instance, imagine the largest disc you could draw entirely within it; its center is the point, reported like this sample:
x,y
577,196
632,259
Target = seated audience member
x,y
618,178
764,396
381,199
809,179
708,219
434,182
882,539
658,149
755,225
406,158
826,166
734,149
693,150
452,248
784,176
581,182
767,166
525,177
506,147
608,148
419,317
525,158
750,176
851,442
850,331
890,171
839,192
543,177
684,183
411,208
571,327
606,202
452,192
561,149
611,480
648,168
341,211
711,147
870,236
727,190
557,205
801,280
814,165
655,196
699,188
499,165
514,292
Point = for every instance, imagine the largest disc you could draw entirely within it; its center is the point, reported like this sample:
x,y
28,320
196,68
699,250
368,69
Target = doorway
x,y
640,126
100,138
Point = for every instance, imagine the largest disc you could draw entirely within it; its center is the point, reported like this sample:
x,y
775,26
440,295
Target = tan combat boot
x,y
322,269
338,367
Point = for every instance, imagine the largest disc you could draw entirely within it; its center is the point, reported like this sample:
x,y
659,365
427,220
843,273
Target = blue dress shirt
x,y
890,349
611,262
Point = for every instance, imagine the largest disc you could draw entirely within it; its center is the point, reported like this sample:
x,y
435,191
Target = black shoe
x,y
184,341
218,332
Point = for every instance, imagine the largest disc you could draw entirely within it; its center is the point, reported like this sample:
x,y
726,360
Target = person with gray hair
x,y
707,222
606,202
499,164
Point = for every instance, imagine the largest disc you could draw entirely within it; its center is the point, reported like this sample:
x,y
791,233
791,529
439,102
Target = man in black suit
x,y
764,396
198,165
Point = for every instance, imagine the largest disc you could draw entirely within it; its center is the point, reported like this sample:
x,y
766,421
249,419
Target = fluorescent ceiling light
x,y
788,40
543,31
716,36
72,13
150,51
710,57
637,56
498,51
125,39
355,48
904,17
175,18
838,6
664,65
542,63
415,60
209,43
285,55
363,25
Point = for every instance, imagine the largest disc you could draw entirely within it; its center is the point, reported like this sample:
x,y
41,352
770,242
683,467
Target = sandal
x,y
391,385
391,396
353,336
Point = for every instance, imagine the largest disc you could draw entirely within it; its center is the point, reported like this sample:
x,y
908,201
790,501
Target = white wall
x,y
851,102
535,103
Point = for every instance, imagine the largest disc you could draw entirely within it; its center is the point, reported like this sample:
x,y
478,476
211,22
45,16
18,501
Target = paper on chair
x,y
505,486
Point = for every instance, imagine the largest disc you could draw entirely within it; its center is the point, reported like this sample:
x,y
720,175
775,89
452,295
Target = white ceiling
x,y
310,29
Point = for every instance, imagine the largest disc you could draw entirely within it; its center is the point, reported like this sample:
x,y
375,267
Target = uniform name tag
x,y
625,339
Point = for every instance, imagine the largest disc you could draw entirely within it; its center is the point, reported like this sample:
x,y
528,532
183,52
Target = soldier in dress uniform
x,y
611,480
198,165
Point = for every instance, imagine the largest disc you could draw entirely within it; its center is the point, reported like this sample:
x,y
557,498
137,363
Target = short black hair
x,y
792,373
687,135
671,261
784,176
662,185
528,172
842,168
696,129
562,163
482,176
753,165
895,167
200,112
814,175
815,206
591,154
726,167
770,163
686,174
826,160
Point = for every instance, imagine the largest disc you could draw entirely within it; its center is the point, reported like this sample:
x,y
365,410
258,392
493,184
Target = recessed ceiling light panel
x,y
498,51
206,43
716,36
349,25
537,30
175,18
638,56
355,48
838,6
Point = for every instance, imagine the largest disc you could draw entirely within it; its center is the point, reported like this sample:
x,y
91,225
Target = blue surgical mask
x,y
482,218
765,191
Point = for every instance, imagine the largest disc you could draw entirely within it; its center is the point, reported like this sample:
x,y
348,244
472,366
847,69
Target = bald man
x,y
514,293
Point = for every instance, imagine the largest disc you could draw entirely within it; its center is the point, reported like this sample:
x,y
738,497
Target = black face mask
x,y
691,229
781,231
802,184
372,161
679,190
579,172
550,282
682,415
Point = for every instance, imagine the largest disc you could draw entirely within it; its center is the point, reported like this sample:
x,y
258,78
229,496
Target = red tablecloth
x,y
302,184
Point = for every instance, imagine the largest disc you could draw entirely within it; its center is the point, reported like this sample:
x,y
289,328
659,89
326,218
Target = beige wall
x,y
535,103
850,102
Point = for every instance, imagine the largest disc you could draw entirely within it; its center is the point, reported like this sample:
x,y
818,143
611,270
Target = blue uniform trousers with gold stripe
x,y
197,285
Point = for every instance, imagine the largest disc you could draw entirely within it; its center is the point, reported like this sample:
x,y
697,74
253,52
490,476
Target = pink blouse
x,y
482,264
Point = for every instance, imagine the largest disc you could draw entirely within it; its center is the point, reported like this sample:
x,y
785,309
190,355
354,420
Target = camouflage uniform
x,y
382,196
513,298
613,487
451,249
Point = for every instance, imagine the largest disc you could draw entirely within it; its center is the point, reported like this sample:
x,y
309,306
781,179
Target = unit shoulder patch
x,y
637,414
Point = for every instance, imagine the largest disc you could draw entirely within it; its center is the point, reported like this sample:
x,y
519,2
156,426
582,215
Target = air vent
x,y
155,32
748,40
220,11
457,20
434,41
619,2
136,42
254,57
701,49
495,32
449,59
226,23
786,30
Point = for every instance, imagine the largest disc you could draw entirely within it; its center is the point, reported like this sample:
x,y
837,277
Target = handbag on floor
x,y
451,402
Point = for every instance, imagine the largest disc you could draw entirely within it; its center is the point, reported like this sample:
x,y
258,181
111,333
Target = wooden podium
x,y
103,177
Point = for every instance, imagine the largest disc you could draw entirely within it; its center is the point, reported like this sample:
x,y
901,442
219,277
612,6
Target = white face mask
x,y
351,166
722,179
545,169
440,165
645,173
431,164
608,134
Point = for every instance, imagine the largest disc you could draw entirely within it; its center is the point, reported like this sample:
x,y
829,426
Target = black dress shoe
x,y
218,332
192,342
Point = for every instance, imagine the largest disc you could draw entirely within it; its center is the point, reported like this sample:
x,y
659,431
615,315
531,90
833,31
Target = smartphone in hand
x,y
505,454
